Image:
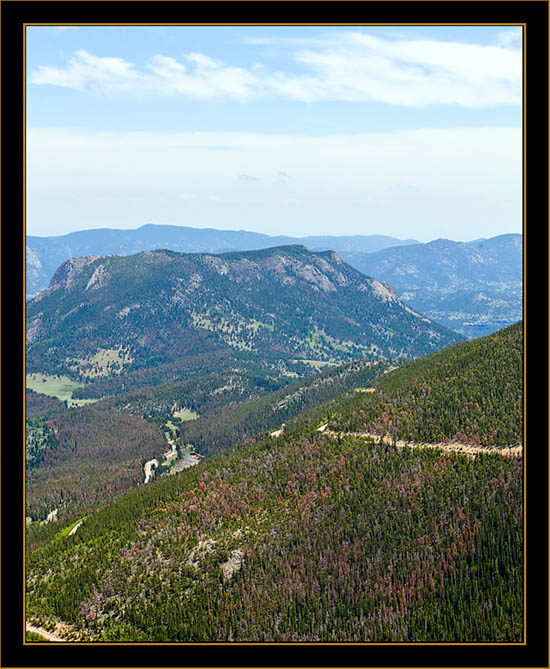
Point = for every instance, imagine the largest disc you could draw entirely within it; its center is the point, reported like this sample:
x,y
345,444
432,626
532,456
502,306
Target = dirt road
x,y
454,447
147,469
42,632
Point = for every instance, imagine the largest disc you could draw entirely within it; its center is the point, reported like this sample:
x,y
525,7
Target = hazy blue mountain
x,y
473,287
45,254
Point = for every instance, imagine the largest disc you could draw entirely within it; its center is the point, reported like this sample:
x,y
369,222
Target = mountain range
x,y
472,287
45,254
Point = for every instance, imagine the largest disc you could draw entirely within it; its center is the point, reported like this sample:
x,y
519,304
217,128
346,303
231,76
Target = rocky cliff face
x,y
66,274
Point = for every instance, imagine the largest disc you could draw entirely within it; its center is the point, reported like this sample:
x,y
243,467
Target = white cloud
x,y
163,76
90,73
407,72
353,67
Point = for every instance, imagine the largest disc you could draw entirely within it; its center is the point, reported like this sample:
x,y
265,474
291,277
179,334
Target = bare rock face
x,y
97,279
383,290
68,271
33,261
216,264
233,564
34,329
35,272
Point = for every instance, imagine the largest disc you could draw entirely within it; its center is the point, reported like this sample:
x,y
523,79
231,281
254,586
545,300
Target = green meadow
x,y
56,386
185,414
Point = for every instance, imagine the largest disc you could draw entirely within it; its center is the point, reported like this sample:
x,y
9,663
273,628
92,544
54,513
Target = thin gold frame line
x,y
24,332
524,37
209,25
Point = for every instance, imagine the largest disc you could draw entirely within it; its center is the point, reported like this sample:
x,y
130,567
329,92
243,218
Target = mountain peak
x,y
284,249
441,242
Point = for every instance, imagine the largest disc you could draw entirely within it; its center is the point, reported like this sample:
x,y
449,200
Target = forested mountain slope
x,y
107,316
310,536
328,540
229,424
471,392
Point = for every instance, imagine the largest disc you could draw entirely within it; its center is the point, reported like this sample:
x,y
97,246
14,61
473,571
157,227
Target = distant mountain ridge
x,y
446,265
473,287
45,254
156,307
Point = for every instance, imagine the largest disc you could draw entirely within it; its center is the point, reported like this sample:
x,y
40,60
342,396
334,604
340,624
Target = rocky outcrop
x,y
68,271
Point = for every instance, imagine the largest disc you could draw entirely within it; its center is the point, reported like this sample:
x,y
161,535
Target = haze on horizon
x,y
406,131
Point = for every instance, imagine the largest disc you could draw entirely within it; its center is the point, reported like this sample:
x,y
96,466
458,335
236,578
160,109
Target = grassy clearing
x,y
56,386
185,414
65,531
316,364
105,362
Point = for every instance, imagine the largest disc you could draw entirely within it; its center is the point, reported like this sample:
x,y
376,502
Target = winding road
x,y
42,632
454,447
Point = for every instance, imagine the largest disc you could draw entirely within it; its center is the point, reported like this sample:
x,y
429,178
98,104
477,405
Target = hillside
x,y
474,287
228,424
111,316
312,535
470,393
45,254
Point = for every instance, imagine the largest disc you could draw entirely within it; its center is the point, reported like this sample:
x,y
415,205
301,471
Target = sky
x,y
408,131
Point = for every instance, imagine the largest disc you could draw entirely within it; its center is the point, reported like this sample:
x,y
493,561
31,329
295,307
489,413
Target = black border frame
x,y
532,13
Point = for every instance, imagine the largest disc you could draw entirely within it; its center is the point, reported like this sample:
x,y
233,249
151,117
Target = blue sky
x,y
409,131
